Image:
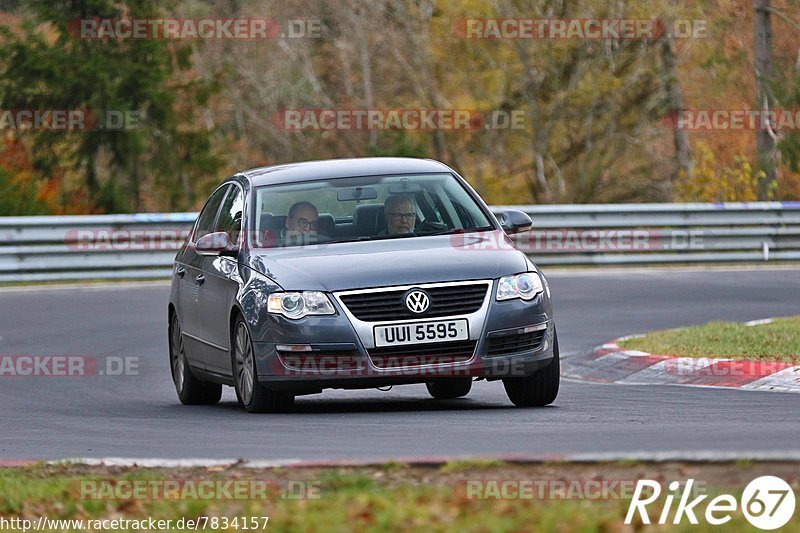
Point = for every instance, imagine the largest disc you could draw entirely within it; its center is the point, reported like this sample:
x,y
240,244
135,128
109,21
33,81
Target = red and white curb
x,y
611,363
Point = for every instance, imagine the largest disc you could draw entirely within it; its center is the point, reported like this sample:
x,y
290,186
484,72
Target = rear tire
x,y
447,389
191,391
538,389
256,398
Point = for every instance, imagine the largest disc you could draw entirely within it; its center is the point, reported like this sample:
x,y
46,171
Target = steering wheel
x,y
430,226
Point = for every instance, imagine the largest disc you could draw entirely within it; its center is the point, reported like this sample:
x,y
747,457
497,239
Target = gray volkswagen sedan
x,y
352,274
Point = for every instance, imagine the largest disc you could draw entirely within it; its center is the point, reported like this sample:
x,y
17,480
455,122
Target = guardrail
x,y
620,234
143,245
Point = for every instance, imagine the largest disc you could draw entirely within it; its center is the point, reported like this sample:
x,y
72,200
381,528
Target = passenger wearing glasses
x,y
400,213
301,221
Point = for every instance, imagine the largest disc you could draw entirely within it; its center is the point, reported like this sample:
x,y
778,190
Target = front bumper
x,y
509,338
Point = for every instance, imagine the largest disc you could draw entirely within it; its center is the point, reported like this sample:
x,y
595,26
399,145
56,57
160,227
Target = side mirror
x,y
217,243
513,221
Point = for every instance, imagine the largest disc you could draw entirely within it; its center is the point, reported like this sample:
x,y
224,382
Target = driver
x,y
301,221
401,214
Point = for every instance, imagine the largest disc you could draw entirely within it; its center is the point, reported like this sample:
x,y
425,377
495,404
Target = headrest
x,y
366,218
327,225
270,222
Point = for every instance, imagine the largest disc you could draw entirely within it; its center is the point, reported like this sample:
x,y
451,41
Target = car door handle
x,y
181,271
200,279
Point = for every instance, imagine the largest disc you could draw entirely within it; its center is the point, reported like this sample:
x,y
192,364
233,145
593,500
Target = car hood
x,y
404,261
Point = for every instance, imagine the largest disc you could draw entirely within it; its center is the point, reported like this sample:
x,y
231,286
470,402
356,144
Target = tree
x,y
683,155
44,67
765,137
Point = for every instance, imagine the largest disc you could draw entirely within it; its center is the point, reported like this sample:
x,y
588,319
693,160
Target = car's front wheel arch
x,y
255,397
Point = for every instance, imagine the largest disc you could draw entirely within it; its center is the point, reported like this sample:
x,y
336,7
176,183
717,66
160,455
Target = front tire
x,y
255,397
447,389
538,389
191,391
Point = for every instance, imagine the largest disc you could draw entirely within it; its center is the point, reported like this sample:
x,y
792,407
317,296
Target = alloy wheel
x,y
243,352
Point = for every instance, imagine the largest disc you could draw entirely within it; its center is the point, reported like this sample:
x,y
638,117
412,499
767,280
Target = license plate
x,y
421,332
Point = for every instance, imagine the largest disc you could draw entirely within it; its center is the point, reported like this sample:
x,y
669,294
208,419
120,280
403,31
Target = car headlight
x,y
524,286
299,304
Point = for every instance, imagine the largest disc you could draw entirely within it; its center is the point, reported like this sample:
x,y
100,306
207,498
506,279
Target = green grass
x,y
378,499
458,465
777,341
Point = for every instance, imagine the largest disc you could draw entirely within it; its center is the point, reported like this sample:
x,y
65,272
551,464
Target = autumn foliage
x,y
594,112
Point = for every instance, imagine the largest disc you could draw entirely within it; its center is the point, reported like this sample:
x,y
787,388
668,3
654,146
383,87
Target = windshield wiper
x,y
455,231
376,237
364,238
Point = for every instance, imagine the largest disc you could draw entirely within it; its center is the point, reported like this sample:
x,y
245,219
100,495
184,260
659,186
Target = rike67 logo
x,y
767,502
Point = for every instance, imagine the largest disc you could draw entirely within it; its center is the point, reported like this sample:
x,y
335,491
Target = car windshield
x,y
364,208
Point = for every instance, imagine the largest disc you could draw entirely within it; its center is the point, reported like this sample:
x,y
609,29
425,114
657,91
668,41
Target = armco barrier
x,y
144,245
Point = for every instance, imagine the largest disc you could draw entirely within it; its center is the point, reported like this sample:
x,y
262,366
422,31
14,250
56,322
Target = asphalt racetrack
x,y
140,416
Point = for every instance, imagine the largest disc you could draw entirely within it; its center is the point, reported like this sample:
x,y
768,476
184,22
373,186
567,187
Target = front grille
x,y
422,354
321,361
389,305
522,342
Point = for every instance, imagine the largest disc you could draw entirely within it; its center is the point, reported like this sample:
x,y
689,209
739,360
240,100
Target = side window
x,y
230,216
205,222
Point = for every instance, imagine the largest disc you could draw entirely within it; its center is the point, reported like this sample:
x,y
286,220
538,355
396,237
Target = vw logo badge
x,y
417,301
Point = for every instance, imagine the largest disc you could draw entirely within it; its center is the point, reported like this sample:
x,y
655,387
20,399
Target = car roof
x,y
342,168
